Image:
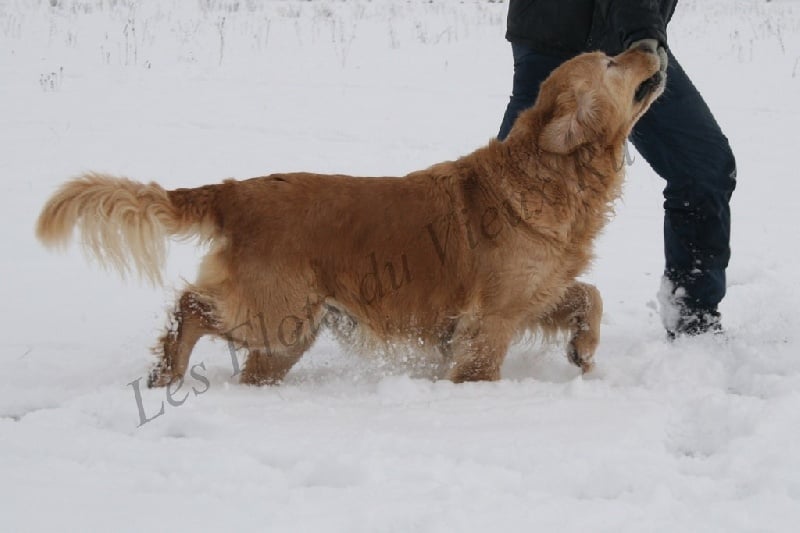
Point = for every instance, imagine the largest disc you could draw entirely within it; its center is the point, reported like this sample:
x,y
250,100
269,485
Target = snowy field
x,y
699,435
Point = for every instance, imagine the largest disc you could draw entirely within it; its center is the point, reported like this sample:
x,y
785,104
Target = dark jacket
x,y
568,27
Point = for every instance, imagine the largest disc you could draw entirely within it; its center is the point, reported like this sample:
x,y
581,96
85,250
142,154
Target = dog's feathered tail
x,y
126,224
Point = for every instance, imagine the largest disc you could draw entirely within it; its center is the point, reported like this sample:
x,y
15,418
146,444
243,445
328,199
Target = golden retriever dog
x,y
460,258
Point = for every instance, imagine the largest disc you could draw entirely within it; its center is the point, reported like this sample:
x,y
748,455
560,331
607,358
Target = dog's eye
x,y
611,63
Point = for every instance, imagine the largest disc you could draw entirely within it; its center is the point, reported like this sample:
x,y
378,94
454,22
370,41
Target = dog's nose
x,y
647,45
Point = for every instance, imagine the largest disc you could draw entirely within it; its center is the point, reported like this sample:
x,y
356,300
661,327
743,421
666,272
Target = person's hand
x,y
654,46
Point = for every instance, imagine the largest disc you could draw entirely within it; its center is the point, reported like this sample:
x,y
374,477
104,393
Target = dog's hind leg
x,y
579,312
192,318
294,336
267,368
477,348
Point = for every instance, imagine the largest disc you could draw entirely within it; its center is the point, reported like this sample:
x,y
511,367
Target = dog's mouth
x,y
648,86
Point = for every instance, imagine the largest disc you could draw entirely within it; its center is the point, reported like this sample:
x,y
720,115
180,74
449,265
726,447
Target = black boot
x,y
682,316
693,322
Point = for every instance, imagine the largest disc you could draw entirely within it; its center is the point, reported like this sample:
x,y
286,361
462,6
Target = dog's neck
x,y
593,167
524,178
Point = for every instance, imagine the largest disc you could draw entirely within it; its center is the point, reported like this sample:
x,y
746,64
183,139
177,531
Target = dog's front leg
x,y
477,349
579,312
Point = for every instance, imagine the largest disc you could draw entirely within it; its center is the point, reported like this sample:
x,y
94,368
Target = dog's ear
x,y
572,123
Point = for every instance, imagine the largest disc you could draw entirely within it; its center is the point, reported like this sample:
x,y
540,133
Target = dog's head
x,y
595,98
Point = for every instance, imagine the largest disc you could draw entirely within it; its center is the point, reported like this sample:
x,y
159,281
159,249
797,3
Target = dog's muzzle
x,y
648,86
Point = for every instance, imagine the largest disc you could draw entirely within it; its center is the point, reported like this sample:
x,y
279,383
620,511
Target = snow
x,y
697,435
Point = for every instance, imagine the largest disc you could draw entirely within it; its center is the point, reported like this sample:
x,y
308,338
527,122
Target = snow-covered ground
x,y
699,435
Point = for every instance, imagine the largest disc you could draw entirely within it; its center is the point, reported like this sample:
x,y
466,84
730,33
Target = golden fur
x,y
462,257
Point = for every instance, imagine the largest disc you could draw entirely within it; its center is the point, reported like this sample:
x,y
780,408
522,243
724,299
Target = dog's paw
x,y
581,360
258,381
160,376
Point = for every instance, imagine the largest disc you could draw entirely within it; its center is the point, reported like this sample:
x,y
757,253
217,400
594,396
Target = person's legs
x,y
683,143
530,70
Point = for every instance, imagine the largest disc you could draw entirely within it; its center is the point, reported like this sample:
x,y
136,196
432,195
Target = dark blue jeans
x,y
682,141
